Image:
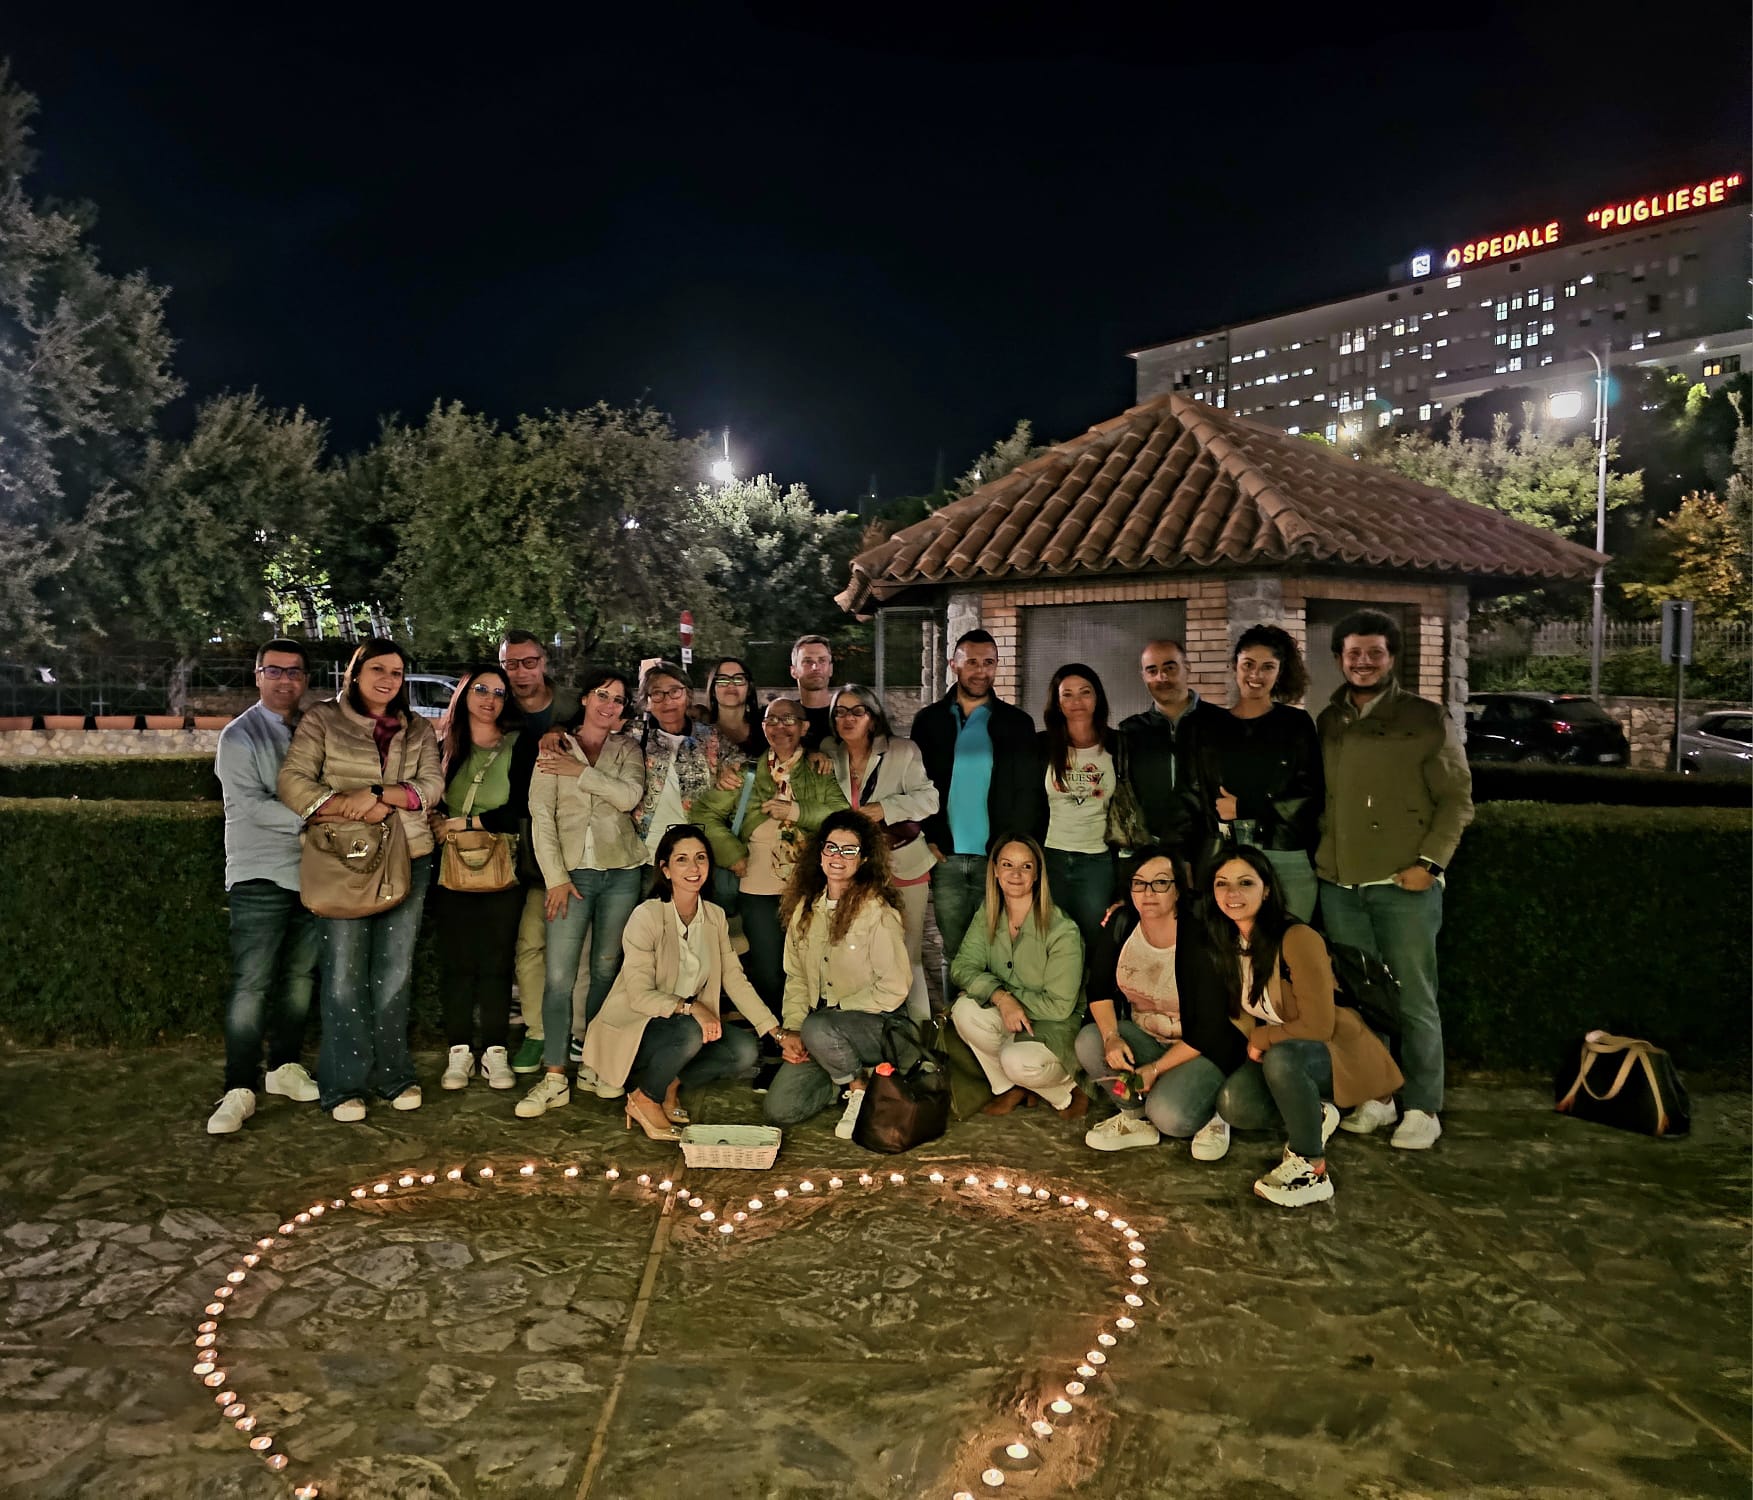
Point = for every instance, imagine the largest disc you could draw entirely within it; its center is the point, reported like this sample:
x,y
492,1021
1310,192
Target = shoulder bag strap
x,y
475,785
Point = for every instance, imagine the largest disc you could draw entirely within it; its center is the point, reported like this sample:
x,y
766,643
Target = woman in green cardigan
x,y
782,799
1020,971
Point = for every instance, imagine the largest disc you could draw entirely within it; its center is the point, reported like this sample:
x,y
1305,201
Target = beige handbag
x,y
354,869
474,860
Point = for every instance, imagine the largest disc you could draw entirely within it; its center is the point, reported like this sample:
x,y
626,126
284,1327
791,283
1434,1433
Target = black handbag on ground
x,y
1623,1082
906,1102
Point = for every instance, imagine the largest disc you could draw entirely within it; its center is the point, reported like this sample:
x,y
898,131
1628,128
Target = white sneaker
x,y
290,1081
1329,1122
1418,1131
236,1107
1293,1183
459,1068
1369,1117
409,1098
550,1093
854,1103
497,1066
1212,1143
348,1110
601,1087
1121,1133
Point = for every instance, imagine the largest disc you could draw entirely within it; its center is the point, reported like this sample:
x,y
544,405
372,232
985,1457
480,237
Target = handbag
x,y
1623,1082
1126,827
348,869
906,1101
474,860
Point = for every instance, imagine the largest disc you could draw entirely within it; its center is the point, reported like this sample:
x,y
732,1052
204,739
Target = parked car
x,y
1719,744
429,693
1544,729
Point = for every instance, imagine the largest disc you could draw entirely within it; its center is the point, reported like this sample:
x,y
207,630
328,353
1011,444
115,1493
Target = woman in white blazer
x,y
883,776
661,1022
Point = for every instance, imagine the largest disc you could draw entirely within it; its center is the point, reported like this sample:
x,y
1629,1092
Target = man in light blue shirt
x,y
273,938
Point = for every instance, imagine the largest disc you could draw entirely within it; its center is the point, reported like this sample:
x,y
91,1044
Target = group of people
x,y
1124,909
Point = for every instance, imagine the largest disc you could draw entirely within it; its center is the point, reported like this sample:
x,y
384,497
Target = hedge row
x,y
143,778
1624,787
1558,919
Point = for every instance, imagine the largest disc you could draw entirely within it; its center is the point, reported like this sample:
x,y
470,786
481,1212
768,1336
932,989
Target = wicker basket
x,y
753,1147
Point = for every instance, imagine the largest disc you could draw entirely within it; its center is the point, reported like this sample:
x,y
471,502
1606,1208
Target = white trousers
x,y
1010,1060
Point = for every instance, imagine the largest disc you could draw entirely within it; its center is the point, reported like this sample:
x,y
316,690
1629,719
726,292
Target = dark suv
x,y
1543,728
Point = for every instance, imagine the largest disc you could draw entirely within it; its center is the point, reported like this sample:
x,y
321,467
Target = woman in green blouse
x,y
1020,971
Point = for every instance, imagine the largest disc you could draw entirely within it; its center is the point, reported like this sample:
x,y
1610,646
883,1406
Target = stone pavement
x,y
1536,1308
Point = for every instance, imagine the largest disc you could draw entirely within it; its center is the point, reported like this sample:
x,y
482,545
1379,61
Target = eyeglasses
x,y
481,690
667,695
1161,886
782,721
603,697
842,851
521,663
852,711
732,679
274,674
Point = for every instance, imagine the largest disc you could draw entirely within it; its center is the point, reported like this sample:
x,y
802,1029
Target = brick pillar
x,y
1253,600
1456,697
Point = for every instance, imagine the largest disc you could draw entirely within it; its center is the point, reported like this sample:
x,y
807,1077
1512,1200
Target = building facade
x,y
1660,279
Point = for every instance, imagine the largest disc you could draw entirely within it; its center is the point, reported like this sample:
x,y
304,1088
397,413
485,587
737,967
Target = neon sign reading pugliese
x,y
1678,200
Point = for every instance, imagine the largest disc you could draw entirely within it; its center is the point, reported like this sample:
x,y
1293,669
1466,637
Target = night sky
x,y
859,243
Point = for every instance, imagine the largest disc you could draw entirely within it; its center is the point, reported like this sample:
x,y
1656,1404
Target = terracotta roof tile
x,y
1174,485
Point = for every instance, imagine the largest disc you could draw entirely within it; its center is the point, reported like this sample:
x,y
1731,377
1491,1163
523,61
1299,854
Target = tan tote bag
x,y
474,860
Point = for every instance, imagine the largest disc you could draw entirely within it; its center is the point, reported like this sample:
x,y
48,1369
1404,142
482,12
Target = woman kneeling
x,y
1020,971
1276,970
660,1025
846,973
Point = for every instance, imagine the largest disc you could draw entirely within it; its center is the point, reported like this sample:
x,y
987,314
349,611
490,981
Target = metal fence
x,y
1568,637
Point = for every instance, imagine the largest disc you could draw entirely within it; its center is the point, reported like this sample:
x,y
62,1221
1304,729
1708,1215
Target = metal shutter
x,y
1107,637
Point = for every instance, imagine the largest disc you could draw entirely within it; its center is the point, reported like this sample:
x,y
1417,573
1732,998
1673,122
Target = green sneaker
x,y
529,1056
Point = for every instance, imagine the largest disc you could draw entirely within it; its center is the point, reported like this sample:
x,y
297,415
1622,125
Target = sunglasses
x,y
603,697
852,711
734,679
842,851
781,721
481,690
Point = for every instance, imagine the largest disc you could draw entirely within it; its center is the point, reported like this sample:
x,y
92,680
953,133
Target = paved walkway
x,y
1536,1308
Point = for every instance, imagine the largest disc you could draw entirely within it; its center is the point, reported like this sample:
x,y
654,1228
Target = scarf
x,y
790,841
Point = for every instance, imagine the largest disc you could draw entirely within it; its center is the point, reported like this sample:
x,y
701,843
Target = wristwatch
x,y
1431,865
376,789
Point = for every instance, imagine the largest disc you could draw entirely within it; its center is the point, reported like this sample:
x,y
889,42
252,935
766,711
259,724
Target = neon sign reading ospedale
x,y
1512,242
1680,200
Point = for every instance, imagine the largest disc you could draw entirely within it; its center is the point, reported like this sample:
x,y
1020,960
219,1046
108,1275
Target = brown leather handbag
x,y
472,859
354,869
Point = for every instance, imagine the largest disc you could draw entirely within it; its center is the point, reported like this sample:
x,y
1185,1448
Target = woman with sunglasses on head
x,y
487,763
846,973
731,708
363,758
1019,974
662,1026
759,829
1157,1013
1253,775
1277,978
1079,751
883,777
593,863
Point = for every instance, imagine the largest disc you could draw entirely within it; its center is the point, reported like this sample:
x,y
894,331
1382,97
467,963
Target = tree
x,y
84,370
216,515
998,460
775,561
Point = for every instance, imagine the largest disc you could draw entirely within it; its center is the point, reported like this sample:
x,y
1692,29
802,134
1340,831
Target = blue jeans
x,y
606,900
1297,876
273,979
764,963
672,1048
1082,886
958,890
1400,928
1187,1096
367,963
1298,1075
841,1043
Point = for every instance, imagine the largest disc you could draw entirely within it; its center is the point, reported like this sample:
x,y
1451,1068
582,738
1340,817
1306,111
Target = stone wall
x,y
70,744
1649,724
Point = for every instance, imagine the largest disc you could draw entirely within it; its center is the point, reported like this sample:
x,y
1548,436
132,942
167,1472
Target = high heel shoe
x,y
636,1116
672,1105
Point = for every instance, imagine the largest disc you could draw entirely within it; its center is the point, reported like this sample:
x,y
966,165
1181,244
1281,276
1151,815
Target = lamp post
x,y
1565,405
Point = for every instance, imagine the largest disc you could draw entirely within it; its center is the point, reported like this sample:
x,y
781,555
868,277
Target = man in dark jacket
x,y
980,755
1153,743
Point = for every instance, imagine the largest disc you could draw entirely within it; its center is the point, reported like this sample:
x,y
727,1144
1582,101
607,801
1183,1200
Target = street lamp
x,y
721,469
1564,404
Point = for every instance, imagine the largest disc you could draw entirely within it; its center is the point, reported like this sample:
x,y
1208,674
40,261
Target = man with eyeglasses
x,y
812,669
274,940
525,663
1399,794
979,752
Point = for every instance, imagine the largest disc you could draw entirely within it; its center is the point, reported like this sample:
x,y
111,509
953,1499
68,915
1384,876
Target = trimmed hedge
x,y
144,778
1558,919
1623,787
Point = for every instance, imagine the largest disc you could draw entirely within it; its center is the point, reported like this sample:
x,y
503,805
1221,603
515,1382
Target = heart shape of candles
x,y
1058,1404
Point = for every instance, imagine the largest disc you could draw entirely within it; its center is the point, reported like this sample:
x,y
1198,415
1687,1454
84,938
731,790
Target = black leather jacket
x,y
1285,808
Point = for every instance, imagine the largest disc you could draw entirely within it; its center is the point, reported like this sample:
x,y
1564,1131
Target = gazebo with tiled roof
x,y
1176,518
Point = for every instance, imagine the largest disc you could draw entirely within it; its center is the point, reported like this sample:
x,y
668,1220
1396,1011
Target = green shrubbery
x,y
1622,787
1558,919
145,778
1631,672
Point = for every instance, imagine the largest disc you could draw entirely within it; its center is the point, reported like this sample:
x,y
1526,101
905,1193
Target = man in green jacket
x,y
1398,796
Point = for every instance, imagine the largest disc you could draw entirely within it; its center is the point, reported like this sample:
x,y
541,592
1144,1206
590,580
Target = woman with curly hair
x,y
1253,775
846,972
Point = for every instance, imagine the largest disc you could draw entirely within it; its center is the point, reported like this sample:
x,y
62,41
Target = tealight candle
x,y
206,1367
208,1327
1138,1278
755,1205
1106,1340
405,1180
1065,1200
380,1187
613,1174
1101,1213
1001,1183
235,1410
1042,1194
971,1180
288,1227
455,1174
727,1229
1087,1371
428,1178
1062,1406
1096,1357
1041,1429
569,1171
1124,1323
865,1179
306,1492
216,1379
206,1340
781,1192
262,1444
1017,1450
1080,1204
486,1171
707,1216
643,1179
236,1277
834,1182
1138,1263
358,1192
806,1186
527,1170
740,1216
993,1477
936,1177
225,1398
665,1185
252,1260
245,1424
896,1178
1120,1224
223,1292
695,1202
1074,1387
1134,1300
265,1244
276,1461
